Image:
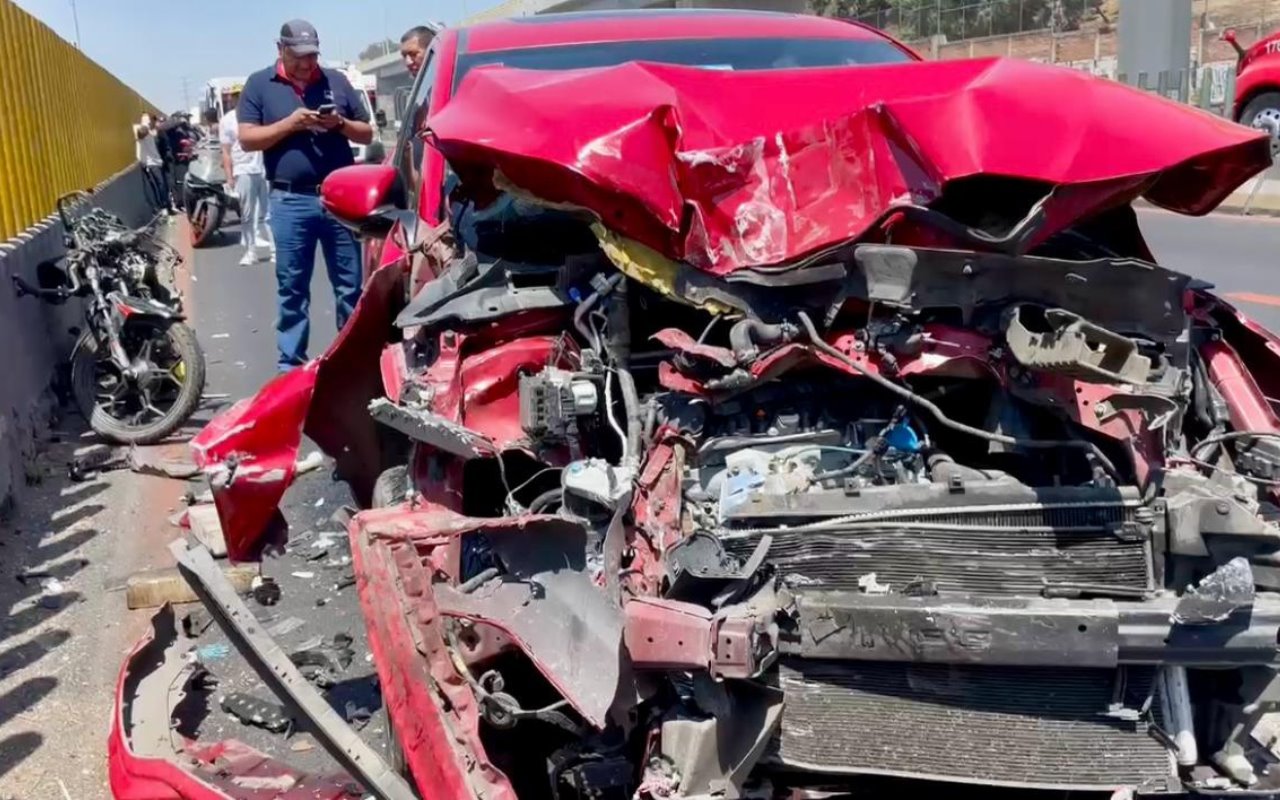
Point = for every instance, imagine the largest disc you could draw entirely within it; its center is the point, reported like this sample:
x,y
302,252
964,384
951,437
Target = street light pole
x,y
75,19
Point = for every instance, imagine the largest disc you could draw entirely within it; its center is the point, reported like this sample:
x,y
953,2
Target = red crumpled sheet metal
x,y
255,443
726,170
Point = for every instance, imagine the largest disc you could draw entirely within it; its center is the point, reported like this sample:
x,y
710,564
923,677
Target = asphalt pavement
x,y
1239,255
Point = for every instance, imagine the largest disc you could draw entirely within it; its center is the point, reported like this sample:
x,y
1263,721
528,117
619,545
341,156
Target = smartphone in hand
x,y
326,110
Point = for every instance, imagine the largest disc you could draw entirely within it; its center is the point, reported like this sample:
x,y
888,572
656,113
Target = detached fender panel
x,y
250,450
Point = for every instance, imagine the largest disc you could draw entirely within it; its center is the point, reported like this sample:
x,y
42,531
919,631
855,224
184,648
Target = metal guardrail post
x,y
1270,127
1204,98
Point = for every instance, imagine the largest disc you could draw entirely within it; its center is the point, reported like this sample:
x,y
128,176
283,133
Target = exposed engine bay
x,y
961,489
936,491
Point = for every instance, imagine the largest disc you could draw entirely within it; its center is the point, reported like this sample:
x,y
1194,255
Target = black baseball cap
x,y
300,36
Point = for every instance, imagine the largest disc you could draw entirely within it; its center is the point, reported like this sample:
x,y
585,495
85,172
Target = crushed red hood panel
x,y
727,170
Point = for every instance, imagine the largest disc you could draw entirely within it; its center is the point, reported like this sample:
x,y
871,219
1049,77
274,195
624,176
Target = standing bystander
x,y
413,48
148,154
247,176
181,137
303,118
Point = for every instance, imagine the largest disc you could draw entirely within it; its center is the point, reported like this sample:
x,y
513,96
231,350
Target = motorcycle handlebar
x,y
25,288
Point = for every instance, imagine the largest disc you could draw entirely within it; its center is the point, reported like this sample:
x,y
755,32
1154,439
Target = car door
x,y
409,156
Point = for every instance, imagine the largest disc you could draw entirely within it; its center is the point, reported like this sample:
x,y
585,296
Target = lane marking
x,y
1216,216
1252,297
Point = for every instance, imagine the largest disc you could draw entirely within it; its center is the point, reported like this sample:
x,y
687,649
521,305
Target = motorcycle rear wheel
x,y
140,411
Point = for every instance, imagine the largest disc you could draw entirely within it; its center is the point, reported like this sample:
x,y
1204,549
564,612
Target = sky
x,y
153,45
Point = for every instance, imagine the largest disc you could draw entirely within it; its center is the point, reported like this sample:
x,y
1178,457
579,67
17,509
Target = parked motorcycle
x,y
137,371
205,196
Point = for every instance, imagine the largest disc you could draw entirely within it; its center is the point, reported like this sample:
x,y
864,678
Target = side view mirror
x,y
365,198
380,117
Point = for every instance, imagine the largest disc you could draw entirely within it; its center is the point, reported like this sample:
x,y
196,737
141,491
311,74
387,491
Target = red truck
x,y
1257,102
742,407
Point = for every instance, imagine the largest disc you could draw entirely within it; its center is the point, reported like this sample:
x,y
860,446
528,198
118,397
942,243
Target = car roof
x,y
593,27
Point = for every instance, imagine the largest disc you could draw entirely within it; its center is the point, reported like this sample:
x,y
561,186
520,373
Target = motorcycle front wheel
x,y
151,400
205,219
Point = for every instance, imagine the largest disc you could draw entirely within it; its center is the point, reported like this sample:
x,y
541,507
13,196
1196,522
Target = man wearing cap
x,y
304,118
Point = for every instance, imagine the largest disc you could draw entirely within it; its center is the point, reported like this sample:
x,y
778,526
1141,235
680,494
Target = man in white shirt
x,y
148,153
247,175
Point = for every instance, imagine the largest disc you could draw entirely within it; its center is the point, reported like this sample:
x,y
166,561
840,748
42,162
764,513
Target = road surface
x,y
1237,254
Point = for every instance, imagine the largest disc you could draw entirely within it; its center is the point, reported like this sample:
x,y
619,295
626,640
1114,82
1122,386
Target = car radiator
x,y
1084,729
1008,540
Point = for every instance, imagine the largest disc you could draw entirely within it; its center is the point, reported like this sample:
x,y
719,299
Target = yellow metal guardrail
x,y
65,122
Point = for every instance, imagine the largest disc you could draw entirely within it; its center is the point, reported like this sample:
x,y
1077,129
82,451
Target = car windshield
x,y
747,54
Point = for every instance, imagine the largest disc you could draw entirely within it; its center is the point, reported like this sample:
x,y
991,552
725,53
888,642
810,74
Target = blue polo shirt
x,y
303,159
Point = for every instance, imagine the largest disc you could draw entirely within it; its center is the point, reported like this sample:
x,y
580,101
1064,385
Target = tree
x,y
377,49
960,19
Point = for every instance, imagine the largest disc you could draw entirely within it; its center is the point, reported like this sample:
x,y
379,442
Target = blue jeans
x,y
298,223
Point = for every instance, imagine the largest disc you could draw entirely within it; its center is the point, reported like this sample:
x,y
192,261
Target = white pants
x,y
252,191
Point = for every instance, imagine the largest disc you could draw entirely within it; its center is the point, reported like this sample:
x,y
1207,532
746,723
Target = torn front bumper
x,y
150,759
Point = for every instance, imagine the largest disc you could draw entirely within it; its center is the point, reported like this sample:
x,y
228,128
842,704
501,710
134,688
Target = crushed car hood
x,y
728,170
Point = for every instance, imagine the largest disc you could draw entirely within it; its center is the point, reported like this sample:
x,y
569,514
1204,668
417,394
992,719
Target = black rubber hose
x,y
1231,436
631,404
747,336
845,472
937,413
545,499
584,308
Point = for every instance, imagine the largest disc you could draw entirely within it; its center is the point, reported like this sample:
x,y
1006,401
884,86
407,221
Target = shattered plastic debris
x,y
265,590
213,652
323,662
285,626
870,585
250,710
1226,589
149,462
310,463
195,622
357,716
220,336
303,575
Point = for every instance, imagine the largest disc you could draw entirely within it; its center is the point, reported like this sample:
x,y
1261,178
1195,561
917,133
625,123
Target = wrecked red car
x,y
736,424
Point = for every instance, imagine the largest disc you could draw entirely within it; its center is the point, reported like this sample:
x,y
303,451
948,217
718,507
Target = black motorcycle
x,y
137,371
206,198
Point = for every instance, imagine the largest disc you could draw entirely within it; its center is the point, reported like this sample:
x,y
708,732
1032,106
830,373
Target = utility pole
x,y
75,19
186,93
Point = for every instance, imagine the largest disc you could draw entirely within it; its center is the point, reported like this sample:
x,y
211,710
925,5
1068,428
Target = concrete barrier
x,y
35,337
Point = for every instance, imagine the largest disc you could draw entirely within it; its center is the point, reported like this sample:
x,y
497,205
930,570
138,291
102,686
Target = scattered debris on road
x,y
251,710
154,588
